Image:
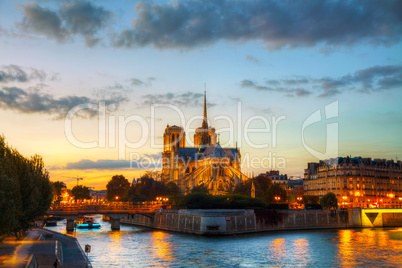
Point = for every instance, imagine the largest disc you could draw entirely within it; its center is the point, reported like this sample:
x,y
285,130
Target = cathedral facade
x,y
207,163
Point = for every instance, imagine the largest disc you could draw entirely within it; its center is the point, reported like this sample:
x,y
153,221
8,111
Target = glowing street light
x,y
277,198
344,200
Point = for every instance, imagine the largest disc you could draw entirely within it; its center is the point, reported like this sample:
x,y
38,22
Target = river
x,y
141,247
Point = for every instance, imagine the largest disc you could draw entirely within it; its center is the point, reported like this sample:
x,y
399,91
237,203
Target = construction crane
x,y
77,178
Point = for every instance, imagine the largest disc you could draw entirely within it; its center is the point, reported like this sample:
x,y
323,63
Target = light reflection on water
x,y
140,247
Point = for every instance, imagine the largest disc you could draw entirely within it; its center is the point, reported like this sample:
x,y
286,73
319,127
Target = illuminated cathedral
x,y
207,163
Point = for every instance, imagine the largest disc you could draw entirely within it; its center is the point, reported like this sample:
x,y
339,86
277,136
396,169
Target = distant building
x,y
207,163
356,181
295,187
276,178
98,195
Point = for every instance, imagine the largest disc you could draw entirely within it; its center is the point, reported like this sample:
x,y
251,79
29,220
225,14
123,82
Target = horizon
x,y
91,86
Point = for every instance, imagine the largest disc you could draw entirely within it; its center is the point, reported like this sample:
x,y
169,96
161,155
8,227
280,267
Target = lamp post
x,y
277,198
344,201
299,201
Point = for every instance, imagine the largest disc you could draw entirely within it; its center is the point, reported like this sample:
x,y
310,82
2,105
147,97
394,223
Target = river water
x,y
141,247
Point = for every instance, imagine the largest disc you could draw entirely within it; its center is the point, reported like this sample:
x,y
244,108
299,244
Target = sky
x,y
91,86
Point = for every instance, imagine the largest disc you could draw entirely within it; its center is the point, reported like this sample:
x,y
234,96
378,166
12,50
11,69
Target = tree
x,y
25,190
243,188
200,189
117,187
329,201
310,199
81,192
172,189
155,175
57,186
8,208
276,190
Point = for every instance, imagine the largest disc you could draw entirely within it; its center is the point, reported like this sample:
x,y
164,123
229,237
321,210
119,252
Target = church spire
x,y
205,121
205,138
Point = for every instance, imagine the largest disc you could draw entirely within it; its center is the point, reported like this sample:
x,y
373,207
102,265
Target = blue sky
x,y
276,59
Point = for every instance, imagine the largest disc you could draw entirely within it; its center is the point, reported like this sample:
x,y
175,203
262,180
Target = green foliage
x,y
117,187
261,185
243,188
310,199
80,192
201,200
57,186
147,189
25,190
8,206
172,189
329,201
200,189
276,190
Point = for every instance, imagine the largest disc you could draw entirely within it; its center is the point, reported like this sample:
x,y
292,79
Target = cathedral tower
x,y
204,135
174,137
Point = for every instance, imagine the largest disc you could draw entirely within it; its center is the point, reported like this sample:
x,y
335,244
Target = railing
x,y
59,251
107,207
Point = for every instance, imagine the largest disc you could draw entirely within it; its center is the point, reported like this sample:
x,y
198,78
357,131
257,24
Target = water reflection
x,y
301,251
277,250
366,246
161,246
139,247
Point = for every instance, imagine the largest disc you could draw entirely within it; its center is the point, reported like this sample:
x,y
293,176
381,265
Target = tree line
x,y
149,187
25,190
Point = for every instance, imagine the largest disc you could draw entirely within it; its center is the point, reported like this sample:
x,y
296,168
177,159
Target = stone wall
x,y
225,222
382,217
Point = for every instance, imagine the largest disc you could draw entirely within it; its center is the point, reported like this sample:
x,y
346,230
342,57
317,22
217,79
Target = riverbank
x,y
42,247
243,221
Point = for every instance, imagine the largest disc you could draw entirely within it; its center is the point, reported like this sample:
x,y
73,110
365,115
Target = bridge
x,y
115,211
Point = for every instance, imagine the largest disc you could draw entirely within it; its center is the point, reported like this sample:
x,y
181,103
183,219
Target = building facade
x,y
207,163
276,178
356,181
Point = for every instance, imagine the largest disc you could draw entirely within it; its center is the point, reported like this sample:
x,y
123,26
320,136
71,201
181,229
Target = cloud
x,y
72,18
190,24
24,101
289,92
277,24
146,162
252,59
187,99
329,92
138,82
372,79
15,73
43,21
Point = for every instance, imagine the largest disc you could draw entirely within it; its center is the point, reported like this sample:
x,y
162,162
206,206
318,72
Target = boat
x,y
50,221
86,223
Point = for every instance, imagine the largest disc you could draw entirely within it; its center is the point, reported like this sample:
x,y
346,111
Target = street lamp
x,y
277,198
344,201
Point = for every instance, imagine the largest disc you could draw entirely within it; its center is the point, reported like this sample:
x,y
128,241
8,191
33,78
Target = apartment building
x,y
356,181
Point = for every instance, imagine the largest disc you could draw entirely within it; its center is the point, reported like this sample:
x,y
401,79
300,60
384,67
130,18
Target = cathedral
x,y
207,163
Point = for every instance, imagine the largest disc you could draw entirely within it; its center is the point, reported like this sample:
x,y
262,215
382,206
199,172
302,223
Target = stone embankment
x,y
227,222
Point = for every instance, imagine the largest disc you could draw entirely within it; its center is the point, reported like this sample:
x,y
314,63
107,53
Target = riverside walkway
x,y
41,248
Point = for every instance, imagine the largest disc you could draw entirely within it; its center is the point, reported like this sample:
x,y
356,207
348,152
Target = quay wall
x,y
227,222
